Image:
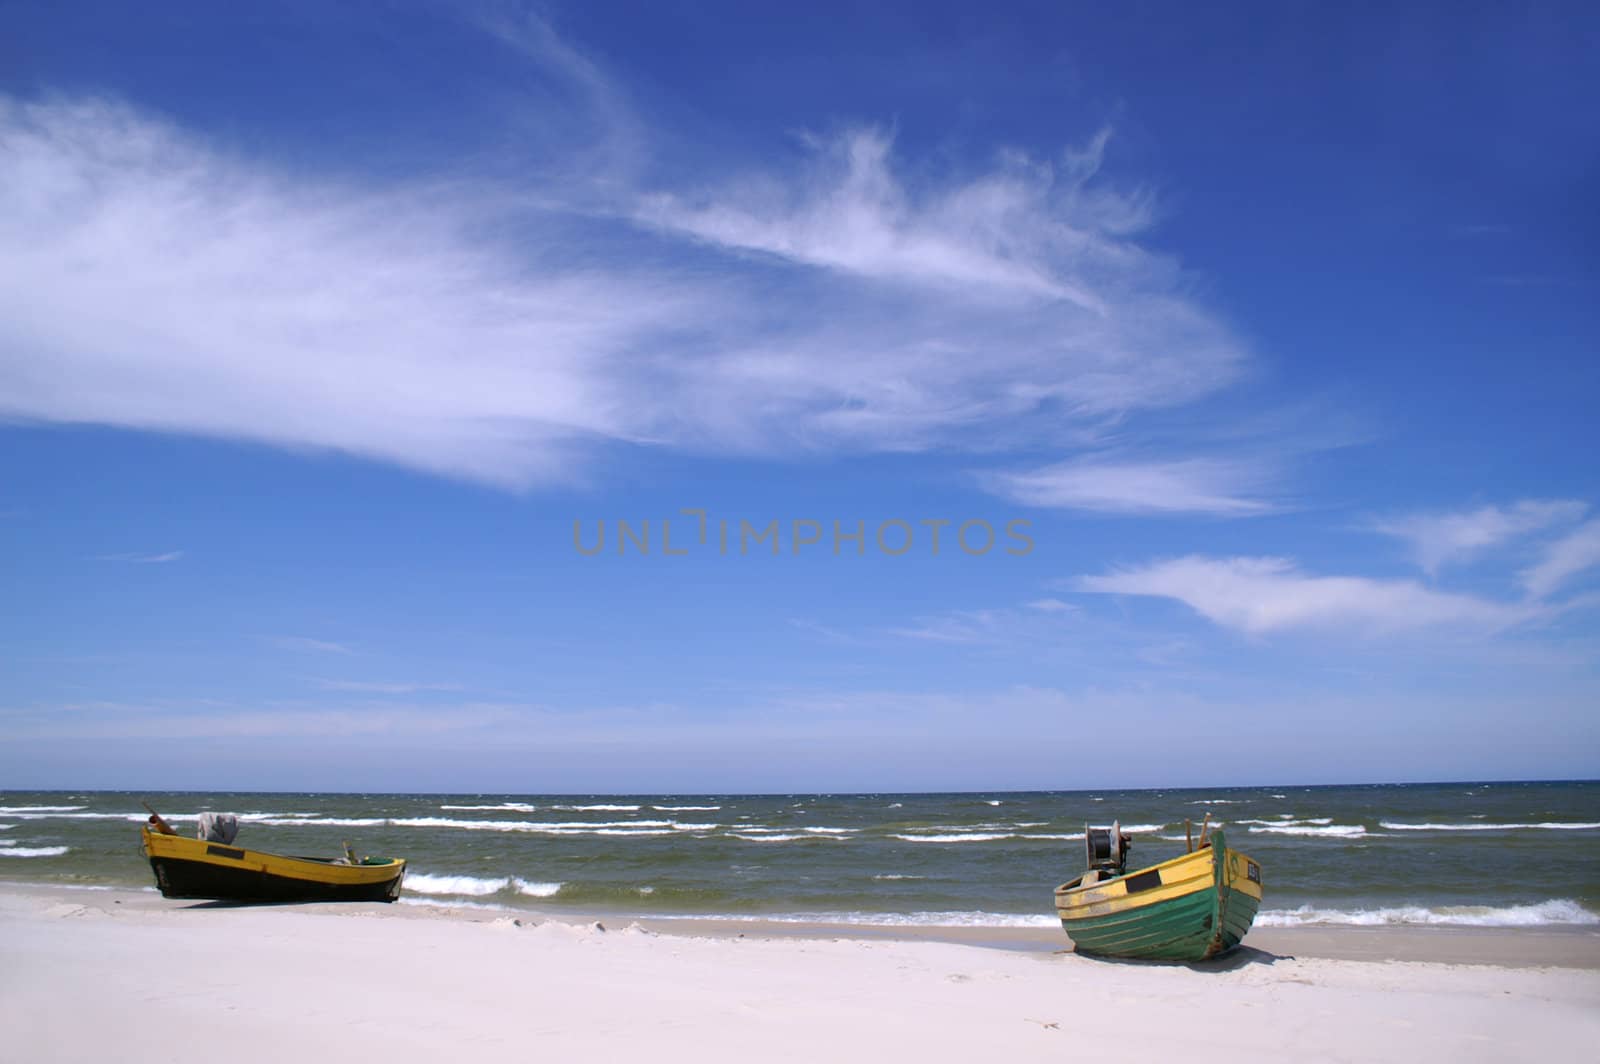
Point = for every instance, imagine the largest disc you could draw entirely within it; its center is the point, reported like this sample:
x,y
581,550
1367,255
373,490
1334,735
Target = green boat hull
x,y
1191,908
1181,929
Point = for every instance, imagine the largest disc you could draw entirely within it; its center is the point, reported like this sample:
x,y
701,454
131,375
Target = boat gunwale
x,y
1208,850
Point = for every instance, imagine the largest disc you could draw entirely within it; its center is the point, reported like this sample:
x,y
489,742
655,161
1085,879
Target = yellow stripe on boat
x,y
196,868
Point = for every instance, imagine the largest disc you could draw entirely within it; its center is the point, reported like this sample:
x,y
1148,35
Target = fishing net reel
x,y
1107,849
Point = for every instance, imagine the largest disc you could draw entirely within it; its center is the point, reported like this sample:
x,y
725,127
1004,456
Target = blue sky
x,y
321,331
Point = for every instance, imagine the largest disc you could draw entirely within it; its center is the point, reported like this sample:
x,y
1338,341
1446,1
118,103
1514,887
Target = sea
x,y
1464,854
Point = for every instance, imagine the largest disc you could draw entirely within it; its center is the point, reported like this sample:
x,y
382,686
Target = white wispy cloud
x,y
300,642
378,687
1050,605
1445,538
1572,554
142,559
1261,595
1225,488
157,281
959,626
995,294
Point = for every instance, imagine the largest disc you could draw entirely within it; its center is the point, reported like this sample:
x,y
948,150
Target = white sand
x,y
129,978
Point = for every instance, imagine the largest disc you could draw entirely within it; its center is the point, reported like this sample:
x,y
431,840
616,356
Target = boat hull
x,y
1192,908
193,868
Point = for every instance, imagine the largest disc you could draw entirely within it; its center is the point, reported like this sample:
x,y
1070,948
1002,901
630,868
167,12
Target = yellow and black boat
x,y
1191,908
211,867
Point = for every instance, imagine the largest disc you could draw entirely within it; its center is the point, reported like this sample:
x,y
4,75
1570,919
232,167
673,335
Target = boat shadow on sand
x,y
225,903
1232,961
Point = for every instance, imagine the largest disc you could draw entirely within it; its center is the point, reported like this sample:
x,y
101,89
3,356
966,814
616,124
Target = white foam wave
x,y
332,821
640,828
6,810
1332,831
455,904
1545,913
7,827
1217,801
596,808
1147,829
33,851
995,801
1543,826
1285,821
897,875
962,837
768,838
476,886
686,808
1079,835
253,818
509,807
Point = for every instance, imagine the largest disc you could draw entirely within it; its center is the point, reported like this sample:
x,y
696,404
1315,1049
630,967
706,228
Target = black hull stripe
x,y
194,879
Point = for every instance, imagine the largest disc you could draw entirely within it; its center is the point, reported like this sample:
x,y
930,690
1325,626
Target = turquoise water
x,y
1513,854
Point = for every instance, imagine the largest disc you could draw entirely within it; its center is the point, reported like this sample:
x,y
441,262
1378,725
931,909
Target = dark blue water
x,y
1502,854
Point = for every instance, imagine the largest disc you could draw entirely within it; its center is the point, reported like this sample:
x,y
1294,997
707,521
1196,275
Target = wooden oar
x,y
1188,833
1205,829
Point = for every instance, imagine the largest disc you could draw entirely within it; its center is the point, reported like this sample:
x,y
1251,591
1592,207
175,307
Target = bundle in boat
x,y
210,866
1191,908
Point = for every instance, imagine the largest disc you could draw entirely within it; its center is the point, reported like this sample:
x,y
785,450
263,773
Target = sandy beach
x,y
129,976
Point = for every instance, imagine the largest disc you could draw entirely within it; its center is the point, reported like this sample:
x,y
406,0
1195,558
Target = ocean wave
x,y
596,808
897,875
1286,822
33,851
332,821
1079,835
686,808
6,810
963,837
1331,831
1543,826
438,903
509,807
1545,913
994,801
1218,801
476,886
783,837
136,818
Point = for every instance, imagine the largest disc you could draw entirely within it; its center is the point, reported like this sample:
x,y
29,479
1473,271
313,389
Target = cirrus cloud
x,y
156,281
1261,595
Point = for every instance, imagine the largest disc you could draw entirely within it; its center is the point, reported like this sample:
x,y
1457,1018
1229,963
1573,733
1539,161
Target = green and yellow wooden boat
x,y
1191,908
212,869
